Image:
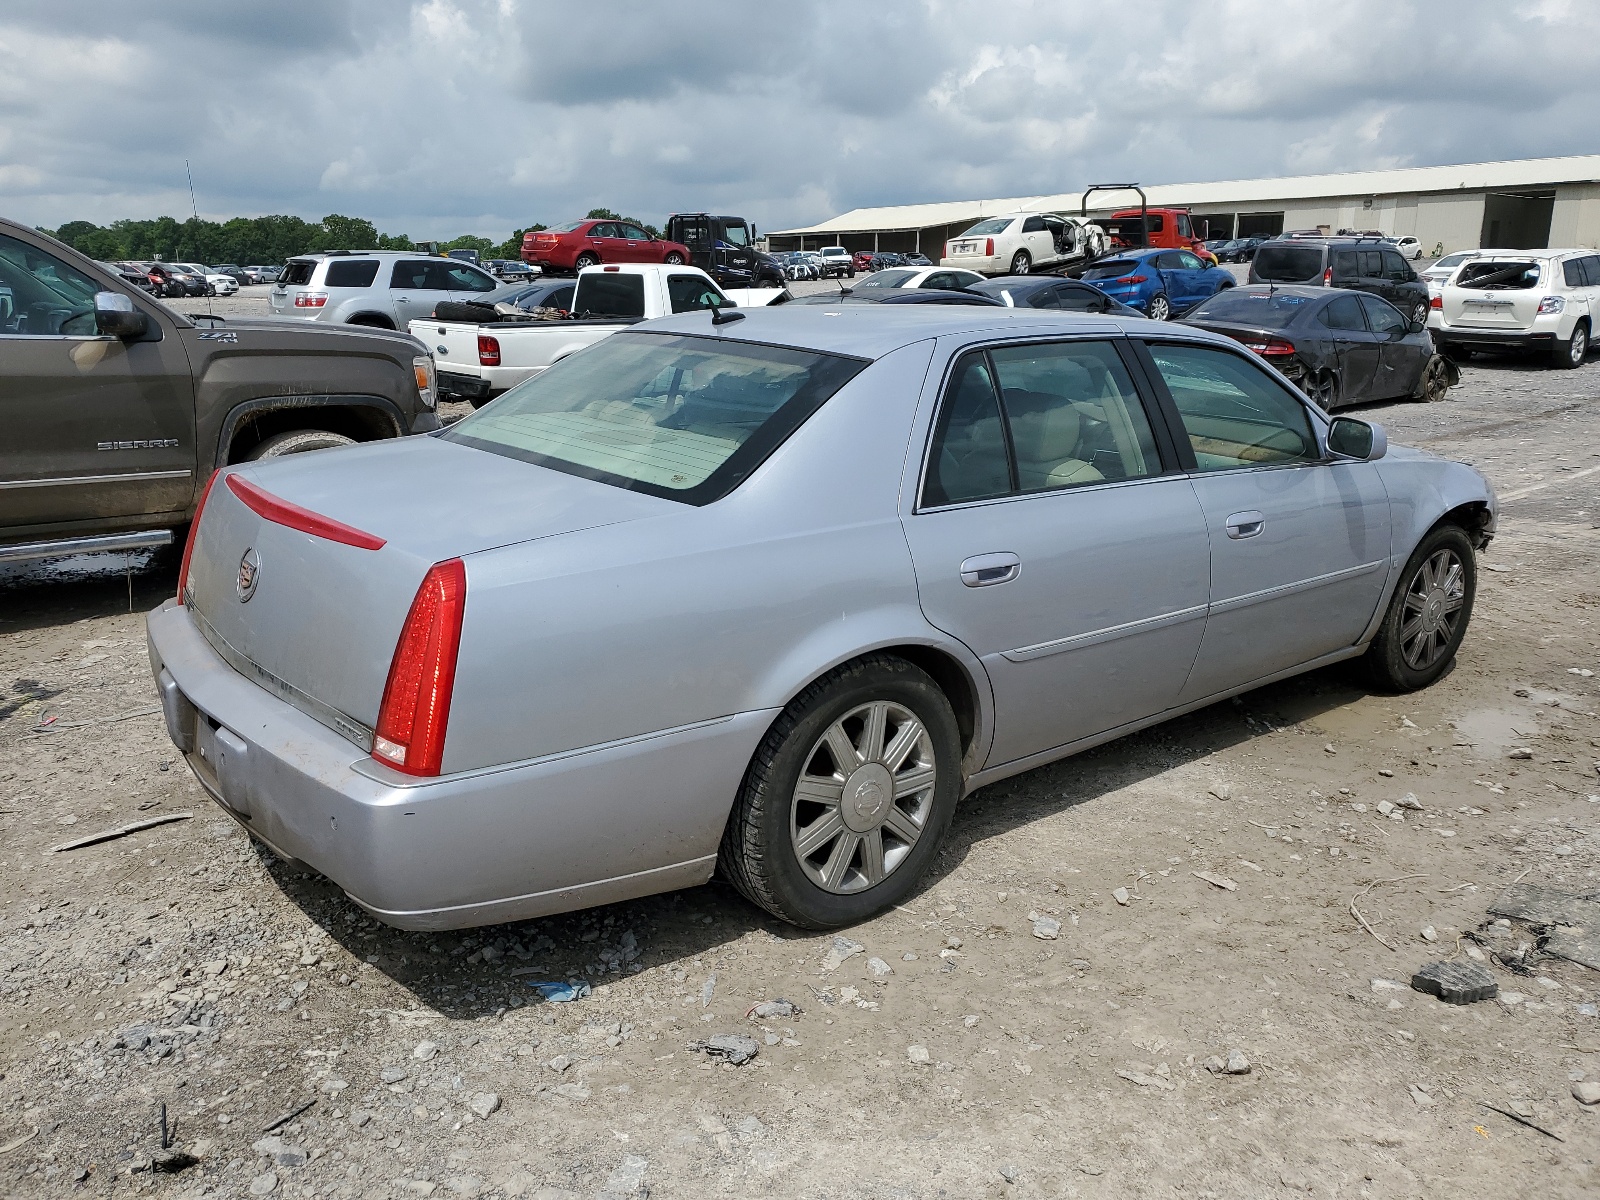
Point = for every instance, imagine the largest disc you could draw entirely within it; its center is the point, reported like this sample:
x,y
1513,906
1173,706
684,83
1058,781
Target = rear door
x,y
1355,346
95,427
1049,536
1299,545
416,285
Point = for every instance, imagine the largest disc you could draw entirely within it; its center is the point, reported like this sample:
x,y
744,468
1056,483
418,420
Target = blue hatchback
x,y
1159,283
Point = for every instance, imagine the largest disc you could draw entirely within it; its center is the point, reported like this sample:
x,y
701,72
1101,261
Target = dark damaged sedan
x,y
1338,346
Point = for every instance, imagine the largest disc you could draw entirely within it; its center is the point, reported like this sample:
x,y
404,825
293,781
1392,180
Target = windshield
x,y
1259,310
1110,268
990,227
1281,263
686,418
885,279
1498,276
735,235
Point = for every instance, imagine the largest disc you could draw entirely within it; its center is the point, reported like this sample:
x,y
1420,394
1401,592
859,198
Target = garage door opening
x,y
1517,220
1260,224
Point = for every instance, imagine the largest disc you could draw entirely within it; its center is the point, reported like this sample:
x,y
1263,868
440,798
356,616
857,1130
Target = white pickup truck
x,y
478,361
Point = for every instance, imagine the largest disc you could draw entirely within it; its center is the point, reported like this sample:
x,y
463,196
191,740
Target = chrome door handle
x,y
1246,524
982,570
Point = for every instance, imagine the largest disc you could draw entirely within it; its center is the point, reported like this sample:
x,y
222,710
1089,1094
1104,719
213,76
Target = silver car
x,y
769,592
385,288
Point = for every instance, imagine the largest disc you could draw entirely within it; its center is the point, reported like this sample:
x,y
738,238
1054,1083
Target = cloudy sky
x,y
441,117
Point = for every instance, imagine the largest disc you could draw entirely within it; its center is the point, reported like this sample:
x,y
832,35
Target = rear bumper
x,y
571,830
1494,339
984,264
468,387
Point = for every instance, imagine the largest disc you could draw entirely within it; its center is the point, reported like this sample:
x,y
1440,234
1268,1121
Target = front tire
x,y
1435,380
1021,263
298,441
674,259
1159,308
1569,354
848,796
1428,614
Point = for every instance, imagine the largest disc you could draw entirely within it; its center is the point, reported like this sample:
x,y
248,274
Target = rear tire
x,y
1159,308
1021,263
858,862
1323,390
1427,615
298,441
1569,354
586,259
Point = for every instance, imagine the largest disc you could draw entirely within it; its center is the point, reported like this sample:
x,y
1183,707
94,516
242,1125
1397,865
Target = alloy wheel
x,y
1578,346
863,797
1437,383
1433,604
1159,309
1323,390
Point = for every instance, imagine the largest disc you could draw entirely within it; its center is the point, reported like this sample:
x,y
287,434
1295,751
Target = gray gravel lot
x,y
945,1049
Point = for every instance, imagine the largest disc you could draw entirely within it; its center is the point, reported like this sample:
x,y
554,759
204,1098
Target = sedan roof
x,y
875,330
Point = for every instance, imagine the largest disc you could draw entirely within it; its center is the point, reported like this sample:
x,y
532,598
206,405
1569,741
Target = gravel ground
x,y
946,1049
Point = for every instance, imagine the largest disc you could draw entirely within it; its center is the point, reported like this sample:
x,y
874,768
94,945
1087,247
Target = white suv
x,y
836,261
1023,242
1542,300
385,288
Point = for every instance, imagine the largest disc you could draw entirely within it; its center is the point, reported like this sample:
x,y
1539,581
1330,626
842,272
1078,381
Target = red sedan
x,y
580,244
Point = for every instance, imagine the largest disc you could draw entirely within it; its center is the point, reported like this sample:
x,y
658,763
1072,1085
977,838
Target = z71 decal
x,y
219,335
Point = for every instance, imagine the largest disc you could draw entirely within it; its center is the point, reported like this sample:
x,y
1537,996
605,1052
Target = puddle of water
x,y
1493,731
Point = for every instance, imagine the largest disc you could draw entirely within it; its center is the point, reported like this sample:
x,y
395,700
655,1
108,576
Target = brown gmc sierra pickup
x,y
114,409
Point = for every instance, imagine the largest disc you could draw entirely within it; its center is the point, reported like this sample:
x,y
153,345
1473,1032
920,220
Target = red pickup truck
x,y
1168,228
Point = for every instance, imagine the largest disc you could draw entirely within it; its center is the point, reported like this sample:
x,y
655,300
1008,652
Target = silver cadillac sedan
x,y
770,592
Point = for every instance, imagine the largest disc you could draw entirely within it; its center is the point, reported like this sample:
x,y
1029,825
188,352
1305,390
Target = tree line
x,y
266,240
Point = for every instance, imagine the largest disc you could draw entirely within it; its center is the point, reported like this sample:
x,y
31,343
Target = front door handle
x,y
982,570
1246,524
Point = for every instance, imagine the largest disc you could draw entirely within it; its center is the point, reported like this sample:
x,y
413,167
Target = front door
x,y
1398,369
1048,539
1299,544
95,428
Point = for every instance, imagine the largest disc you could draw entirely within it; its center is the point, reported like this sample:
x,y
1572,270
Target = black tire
x,y
1568,355
674,259
1323,390
1393,662
1435,384
586,259
1159,308
758,855
851,273
1419,312
1021,263
297,441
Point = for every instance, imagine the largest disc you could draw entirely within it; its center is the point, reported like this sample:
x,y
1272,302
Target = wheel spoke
x,y
875,732
839,861
872,856
1411,629
905,738
1453,603
819,790
1416,602
819,833
909,783
845,755
903,825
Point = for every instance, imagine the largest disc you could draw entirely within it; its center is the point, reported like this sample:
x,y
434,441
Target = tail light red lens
x,y
422,676
988,247
1327,277
188,544
1436,302
1272,348
310,300
488,351
1134,279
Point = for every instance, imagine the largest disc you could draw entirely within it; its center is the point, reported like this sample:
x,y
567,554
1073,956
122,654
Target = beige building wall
x,y
1576,219
1454,219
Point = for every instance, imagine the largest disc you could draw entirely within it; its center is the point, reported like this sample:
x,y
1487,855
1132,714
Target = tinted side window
x,y
605,295
1033,225
1394,267
1343,313
1044,297
1169,260
1572,271
465,279
1591,271
1383,316
1371,263
352,272
422,275
1073,415
1235,414
1077,298
688,293
968,456
1345,264
1285,263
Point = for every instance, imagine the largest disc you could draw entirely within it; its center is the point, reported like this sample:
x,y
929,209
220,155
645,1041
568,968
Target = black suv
x,y
1362,264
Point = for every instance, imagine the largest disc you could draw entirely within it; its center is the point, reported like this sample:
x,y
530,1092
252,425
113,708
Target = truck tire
x,y
468,312
298,441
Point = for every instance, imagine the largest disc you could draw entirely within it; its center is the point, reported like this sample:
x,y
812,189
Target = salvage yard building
x,y
1521,204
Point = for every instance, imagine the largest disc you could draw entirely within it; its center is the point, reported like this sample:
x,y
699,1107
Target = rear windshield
x,y
992,226
296,271
886,279
1498,276
1110,268
568,227
352,272
686,418
604,295
1281,263
1259,310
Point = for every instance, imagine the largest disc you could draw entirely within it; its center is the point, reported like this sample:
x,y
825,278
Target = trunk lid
x,y
314,620
1497,293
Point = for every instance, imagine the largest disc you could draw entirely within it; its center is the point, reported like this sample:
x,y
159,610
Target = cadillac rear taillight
x,y
488,351
188,545
988,247
416,698
1271,348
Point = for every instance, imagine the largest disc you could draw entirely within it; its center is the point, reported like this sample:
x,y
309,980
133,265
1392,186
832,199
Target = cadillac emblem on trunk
x,y
249,574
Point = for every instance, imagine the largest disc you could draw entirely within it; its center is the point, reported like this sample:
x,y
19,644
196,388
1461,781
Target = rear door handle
x,y
1246,524
982,570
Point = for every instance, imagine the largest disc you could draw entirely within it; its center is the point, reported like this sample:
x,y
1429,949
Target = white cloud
x,y
449,116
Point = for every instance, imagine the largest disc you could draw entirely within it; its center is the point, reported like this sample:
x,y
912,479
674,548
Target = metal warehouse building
x,y
1523,204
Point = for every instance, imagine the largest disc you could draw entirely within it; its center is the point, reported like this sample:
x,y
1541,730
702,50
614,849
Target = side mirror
x,y
1364,441
1417,326
116,316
